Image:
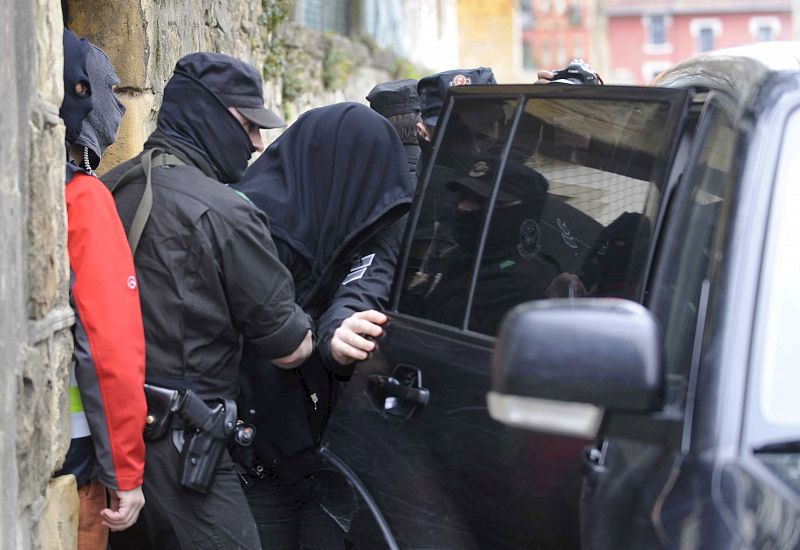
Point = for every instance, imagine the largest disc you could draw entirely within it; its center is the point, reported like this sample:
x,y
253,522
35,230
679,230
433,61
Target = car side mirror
x,y
558,364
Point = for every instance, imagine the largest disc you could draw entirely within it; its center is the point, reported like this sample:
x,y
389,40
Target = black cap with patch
x,y
235,82
433,89
395,97
520,182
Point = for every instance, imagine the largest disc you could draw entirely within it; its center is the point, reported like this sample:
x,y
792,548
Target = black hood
x,y
329,182
195,124
74,107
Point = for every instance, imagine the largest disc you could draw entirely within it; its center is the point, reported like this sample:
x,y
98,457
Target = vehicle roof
x,y
737,71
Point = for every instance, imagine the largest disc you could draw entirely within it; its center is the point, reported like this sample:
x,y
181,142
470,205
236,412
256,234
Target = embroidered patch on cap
x,y
479,169
461,80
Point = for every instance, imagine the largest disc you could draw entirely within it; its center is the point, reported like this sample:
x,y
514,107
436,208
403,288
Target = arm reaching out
x,y
349,343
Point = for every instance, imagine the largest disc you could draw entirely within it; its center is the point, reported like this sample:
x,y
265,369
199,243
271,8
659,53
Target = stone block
x,y
48,269
119,28
138,122
57,526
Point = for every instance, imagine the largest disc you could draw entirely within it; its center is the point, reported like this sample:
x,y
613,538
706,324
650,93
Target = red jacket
x,y
109,337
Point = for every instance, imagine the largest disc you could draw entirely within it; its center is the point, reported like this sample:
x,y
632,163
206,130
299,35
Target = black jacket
x,y
209,275
335,186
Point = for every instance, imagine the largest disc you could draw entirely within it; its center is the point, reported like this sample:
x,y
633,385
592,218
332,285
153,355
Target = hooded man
x,y
107,449
210,279
338,222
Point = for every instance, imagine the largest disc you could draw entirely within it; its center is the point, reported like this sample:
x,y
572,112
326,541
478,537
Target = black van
x,y
648,380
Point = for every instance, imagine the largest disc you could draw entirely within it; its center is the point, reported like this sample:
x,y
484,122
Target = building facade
x,y
648,36
554,32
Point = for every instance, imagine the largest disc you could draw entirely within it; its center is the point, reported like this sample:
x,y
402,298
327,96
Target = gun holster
x,y
206,430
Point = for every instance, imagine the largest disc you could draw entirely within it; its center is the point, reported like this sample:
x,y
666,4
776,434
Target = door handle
x,y
387,386
401,394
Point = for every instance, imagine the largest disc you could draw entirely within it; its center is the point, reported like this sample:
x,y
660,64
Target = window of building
x,y
575,14
330,15
706,40
657,27
528,59
651,69
765,29
526,15
705,32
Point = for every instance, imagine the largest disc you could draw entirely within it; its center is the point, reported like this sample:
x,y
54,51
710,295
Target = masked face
x,y
77,88
99,129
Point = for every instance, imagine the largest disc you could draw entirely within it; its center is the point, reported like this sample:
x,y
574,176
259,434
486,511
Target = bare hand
x,y
124,509
544,77
348,343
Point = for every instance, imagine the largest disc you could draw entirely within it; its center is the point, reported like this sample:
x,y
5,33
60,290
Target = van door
x,y
531,192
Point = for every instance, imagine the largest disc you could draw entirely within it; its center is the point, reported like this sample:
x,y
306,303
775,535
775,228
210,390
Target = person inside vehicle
x,y
337,223
616,259
512,268
397,100
210,280
106,454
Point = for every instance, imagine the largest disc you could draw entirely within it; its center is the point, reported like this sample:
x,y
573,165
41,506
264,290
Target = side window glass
x,y
575,206
438,278
690,250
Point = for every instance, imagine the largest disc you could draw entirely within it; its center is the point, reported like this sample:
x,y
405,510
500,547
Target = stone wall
x,y
144,39
302,68
35,343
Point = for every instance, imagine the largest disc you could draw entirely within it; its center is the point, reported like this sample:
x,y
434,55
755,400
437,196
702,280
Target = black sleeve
x,y
367,285
260,290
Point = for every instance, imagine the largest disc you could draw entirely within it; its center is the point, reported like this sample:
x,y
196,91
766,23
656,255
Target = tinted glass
x,y
438,277
571,217
575,206
690,247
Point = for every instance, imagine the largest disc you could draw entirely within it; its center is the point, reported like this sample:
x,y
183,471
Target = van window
x,y
572,215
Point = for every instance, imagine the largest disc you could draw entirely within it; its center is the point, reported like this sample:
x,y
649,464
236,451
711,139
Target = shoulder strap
x,y
146,202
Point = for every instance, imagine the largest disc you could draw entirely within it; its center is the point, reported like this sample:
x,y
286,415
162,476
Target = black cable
x,y
351,476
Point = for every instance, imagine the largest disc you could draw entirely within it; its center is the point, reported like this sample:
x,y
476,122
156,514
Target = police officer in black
x,y
397,100
209,280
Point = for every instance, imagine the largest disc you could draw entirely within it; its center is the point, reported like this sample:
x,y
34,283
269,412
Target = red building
x,y
556,31
647,36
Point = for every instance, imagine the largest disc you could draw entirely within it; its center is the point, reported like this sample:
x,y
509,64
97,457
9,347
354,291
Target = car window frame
x,y
678,98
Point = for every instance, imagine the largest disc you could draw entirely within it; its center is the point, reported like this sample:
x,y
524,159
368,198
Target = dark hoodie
x,y
334,186
208,270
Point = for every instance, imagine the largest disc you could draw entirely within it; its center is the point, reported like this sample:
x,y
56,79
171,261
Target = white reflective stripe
x,y
354,275
358,269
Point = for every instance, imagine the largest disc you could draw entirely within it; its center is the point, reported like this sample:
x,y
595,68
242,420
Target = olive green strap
x,y
146,203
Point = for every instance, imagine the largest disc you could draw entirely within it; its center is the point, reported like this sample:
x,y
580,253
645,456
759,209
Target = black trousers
x,y
289,517
178,518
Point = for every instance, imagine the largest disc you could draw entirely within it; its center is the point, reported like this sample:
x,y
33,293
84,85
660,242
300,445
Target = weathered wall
x,y
35,344
302,69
